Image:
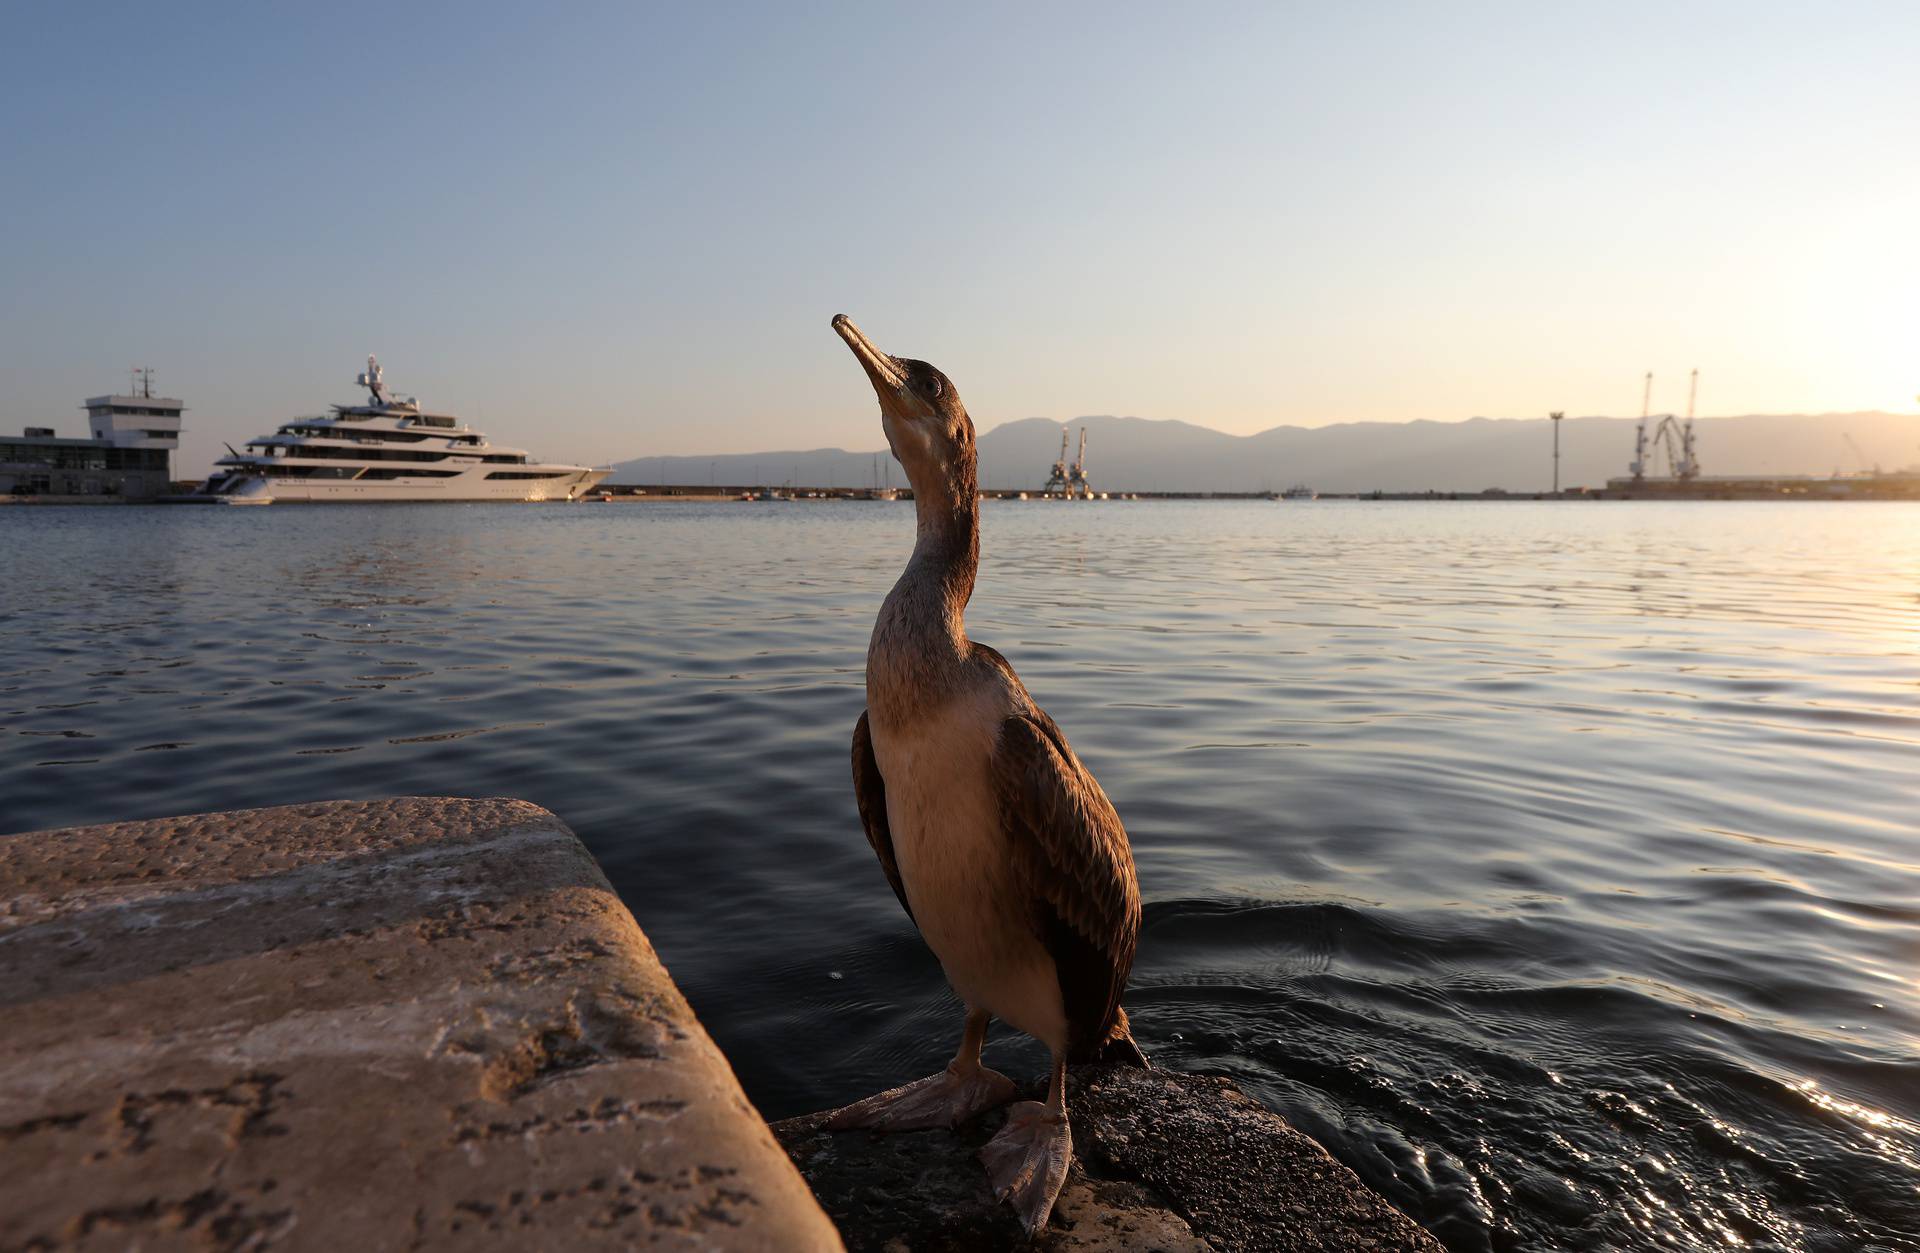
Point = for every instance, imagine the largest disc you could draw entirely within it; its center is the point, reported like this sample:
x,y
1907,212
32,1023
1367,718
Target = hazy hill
x,y
1137,454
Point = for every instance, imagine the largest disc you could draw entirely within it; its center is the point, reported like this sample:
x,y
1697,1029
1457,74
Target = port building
x,y
128,455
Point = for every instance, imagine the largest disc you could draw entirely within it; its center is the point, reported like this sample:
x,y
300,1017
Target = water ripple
x,y
1555,865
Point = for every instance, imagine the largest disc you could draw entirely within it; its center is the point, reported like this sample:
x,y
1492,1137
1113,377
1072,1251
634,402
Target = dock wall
x,y
403,1024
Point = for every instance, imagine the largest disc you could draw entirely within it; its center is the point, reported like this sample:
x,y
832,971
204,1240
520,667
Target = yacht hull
x,y
462,487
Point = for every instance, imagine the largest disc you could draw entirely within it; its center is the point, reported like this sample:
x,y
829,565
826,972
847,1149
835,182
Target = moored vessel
x,y
389,449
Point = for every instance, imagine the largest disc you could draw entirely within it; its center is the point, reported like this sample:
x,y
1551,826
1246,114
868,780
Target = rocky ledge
x,y
1163,1161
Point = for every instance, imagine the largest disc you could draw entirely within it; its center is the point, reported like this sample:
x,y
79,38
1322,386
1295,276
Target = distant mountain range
x,y
1138,454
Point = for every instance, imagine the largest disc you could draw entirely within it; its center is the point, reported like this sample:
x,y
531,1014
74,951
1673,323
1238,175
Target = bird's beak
x,y
889,380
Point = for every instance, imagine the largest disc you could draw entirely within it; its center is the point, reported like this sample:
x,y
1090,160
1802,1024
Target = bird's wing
x,y
1071,852
870,792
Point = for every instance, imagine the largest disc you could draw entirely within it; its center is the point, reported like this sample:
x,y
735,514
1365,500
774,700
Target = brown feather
x,y
870,793
1068,846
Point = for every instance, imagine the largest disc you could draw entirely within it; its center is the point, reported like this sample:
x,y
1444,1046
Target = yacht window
x,y
332,452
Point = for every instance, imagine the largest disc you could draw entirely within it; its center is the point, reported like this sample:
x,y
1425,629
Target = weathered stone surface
x,y
1163,1161
420,1023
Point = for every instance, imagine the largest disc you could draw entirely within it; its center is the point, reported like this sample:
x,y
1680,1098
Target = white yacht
x,y
388,449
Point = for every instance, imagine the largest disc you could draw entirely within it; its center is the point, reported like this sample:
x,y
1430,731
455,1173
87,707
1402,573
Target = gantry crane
x,y
1859,456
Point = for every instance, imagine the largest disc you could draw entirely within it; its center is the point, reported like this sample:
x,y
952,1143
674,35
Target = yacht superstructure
x,y
388,449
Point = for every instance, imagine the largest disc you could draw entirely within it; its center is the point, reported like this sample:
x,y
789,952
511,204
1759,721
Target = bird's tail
x,y
1119,1047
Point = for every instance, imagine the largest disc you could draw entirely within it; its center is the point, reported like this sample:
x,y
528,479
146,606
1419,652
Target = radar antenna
x,y
374,380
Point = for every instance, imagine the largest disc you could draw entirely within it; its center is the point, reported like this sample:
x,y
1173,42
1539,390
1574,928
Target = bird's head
x,y
927,427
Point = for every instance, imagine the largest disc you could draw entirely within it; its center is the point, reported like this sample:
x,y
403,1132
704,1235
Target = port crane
x,y
1858,454
1070,481
1077,483
1669,435
1057,477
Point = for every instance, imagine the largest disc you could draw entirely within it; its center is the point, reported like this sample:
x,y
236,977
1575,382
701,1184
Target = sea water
x,y
1555,864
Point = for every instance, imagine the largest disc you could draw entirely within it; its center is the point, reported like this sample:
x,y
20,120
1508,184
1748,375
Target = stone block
x,y
406,1024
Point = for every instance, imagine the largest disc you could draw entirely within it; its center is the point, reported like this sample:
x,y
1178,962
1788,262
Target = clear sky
x,y
606,231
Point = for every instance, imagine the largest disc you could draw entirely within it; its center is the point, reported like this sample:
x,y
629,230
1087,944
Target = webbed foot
x,y
1027,1161
947,1099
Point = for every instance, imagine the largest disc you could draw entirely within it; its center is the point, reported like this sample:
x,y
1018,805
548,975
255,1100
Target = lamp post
x,y
1556,450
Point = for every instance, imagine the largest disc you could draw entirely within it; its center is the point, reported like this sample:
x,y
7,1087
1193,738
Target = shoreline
x,y
1887,488
429,1021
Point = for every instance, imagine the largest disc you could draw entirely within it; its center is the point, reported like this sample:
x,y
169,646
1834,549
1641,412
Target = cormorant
x,y
998,842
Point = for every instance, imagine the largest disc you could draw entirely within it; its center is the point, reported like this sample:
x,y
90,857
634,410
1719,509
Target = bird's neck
x,y
946,549
920,640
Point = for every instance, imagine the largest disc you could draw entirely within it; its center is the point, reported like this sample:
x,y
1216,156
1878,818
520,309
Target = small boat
x,y
877,492
1299,491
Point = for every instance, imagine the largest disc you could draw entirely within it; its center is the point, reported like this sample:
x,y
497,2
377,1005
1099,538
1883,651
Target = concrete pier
x,y
404,1024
